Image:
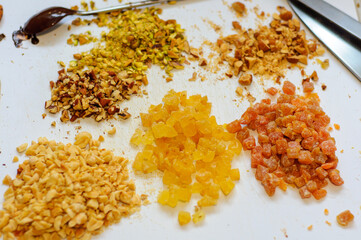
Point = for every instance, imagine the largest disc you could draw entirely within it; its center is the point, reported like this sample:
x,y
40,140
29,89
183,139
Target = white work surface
x,y
247,213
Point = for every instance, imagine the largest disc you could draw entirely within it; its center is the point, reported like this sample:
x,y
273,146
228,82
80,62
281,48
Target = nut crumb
x,y
53,124
43,115
323,86
112,131
245,79
22,148
239,91
193,78
16,159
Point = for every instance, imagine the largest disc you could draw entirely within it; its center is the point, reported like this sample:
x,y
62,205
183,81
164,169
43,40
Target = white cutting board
x,y
247,213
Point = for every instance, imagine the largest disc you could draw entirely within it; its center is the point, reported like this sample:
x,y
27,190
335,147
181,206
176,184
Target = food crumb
x,y
112,131
344,218
193,78
328,223
53,124
309,228
22,148
323,86
16,159
43,115
239,91
2,36
326,212
337,127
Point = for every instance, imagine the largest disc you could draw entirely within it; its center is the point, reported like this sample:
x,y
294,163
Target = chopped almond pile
x,y
294,146
194,153
70,191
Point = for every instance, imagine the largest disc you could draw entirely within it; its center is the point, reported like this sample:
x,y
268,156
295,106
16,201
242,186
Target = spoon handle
x,y
121,7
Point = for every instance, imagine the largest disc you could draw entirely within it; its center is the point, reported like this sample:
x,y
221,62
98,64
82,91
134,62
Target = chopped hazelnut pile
x,y
294,146
268,50
344,218
70,191
91,95
194,153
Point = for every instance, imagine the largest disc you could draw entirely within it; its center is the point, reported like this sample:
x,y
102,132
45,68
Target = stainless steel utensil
x,y
338,31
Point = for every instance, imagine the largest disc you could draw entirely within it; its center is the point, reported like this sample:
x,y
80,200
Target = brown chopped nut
x,y
124,114
245,79
236,25
314,76
239,7
202,62
194,52
285,15
78,198
53,124
169,79
323,86
43,115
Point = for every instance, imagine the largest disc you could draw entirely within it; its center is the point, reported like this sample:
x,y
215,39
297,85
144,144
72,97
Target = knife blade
x,y
340,33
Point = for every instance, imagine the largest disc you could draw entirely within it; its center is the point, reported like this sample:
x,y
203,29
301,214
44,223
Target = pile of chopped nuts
x,y
67,191
116,66
134,41
91,95
81,39
266,50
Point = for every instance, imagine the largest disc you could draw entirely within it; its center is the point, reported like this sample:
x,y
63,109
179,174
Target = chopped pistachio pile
x,y
134,41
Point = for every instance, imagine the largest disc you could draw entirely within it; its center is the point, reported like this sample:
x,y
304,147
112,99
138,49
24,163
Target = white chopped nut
x,y
112,131
22,148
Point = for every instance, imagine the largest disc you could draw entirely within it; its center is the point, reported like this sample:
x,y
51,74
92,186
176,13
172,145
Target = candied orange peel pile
x,y
294,146
184,141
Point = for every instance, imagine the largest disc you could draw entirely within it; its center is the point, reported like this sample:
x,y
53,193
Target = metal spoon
x,y
49,17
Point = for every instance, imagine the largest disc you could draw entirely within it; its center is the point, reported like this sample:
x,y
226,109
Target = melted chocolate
x,y
39,23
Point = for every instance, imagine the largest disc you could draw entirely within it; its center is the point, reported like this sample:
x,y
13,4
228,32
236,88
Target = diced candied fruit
x,y
345,218
227,186
272,91
198,216
308,86
320,193
294,144
194,153
289,88
184,217
235,176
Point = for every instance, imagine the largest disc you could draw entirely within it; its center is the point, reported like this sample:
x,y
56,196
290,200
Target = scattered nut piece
x,y
239,91
239,7
323,86
101,138
169,79
22,148
112,131
314,76
53,124
245,79
16,159
43,115
202,62
193,78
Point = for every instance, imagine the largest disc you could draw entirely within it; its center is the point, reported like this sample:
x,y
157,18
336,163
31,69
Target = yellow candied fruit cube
x,y
170,178
234,174
209,156
146,119
172,200
184,194
184,218
211,190
196,187
207,201
198,216
163,197
136,138
162,130
226,186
